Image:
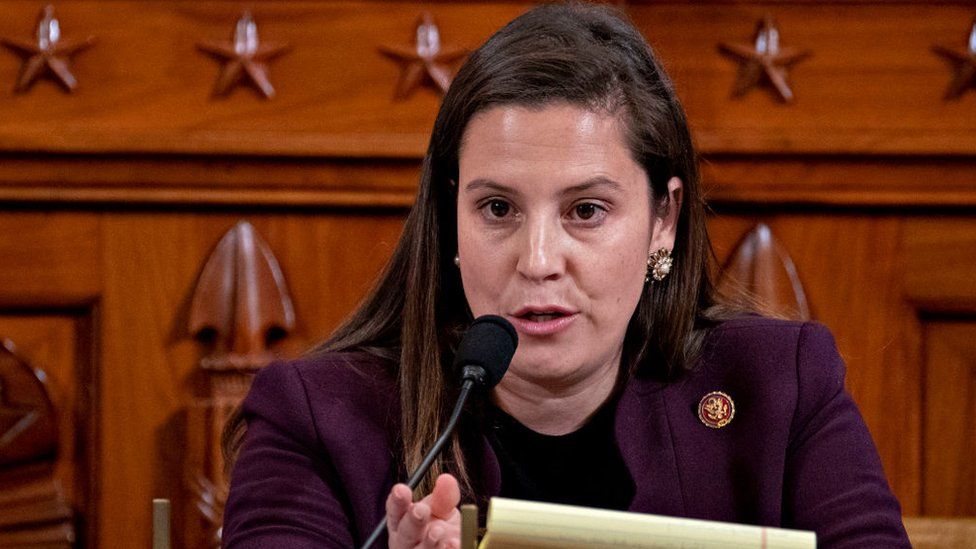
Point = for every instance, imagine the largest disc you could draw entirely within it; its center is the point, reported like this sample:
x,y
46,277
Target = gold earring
x,y
457,261
658,265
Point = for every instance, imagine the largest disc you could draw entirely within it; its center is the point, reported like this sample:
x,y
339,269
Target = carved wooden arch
x,y
760,266
33,510
240,308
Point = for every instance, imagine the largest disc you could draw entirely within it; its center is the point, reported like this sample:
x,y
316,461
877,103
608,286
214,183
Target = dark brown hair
x,y
585,55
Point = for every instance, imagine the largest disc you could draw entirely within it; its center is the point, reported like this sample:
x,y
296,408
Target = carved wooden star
x,y
425,57
964,62
244,58
764,58
47,53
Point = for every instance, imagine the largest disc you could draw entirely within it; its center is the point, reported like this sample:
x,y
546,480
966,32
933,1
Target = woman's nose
x,y
541,257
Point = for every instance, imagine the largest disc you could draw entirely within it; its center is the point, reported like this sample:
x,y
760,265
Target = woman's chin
x,y
546,373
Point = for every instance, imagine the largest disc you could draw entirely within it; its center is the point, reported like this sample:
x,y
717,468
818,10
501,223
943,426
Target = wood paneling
x,y
152,262
58,345
940,262
939,267
949,472
49,259
148,89
216,181
872,84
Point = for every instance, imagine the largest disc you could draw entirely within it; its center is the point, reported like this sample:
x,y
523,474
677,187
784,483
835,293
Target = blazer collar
x,y
645,438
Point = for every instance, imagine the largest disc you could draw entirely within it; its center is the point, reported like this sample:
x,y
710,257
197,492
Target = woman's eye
x,y
498,208
585,210
589,212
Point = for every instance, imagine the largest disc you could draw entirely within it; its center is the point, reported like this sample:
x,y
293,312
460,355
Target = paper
x,y
516,524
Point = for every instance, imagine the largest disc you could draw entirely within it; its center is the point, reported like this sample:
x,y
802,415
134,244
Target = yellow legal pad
x,y
517,524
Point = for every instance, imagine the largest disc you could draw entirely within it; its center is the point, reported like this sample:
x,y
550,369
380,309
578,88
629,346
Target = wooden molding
x,y
761,266
241,302
33,509
163,106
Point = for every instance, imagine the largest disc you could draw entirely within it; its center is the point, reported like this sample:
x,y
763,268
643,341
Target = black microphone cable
x,y
483,356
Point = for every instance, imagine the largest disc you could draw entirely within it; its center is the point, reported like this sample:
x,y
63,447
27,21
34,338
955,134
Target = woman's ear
x,y
664,221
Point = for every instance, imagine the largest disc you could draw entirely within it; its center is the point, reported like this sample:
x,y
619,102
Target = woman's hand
x,y
433,522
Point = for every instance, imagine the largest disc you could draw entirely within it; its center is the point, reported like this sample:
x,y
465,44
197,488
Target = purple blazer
x,y
319,457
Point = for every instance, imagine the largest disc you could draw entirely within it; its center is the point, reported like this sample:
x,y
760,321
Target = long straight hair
x,y
584,55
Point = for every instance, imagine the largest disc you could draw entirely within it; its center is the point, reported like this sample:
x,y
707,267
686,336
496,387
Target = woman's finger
x,y
440,535
413,526
397,503
447,536
445,497
449,543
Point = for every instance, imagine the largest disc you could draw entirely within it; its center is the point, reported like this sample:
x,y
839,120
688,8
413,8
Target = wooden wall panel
x,y
48,259
939,267
57,344
871,66
940,263
152,261
146,88
950,437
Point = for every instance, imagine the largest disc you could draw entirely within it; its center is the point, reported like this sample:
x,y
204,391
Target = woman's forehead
x,y
553,140
551,122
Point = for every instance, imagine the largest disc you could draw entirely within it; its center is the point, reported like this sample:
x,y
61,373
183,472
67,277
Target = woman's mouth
x,y
542,321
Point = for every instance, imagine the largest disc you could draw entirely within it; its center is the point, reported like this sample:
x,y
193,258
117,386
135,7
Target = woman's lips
x,y
547,327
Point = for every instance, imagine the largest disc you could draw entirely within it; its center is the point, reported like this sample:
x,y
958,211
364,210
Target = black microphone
x,y
483,356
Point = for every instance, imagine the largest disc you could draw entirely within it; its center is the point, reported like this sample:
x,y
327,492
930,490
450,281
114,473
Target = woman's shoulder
x,y
768,350
335,372
752,335
325,388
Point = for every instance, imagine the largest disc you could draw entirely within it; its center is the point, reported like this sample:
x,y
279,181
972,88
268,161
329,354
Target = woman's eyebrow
x,y
482,183
593,183
588,185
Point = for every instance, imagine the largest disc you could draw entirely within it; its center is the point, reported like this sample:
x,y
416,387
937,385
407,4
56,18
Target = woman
x,y
560,190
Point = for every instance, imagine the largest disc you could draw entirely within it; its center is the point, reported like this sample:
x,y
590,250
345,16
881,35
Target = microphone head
x,y
488,344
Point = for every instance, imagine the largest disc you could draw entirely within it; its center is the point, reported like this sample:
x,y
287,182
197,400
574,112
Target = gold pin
x,y
716,409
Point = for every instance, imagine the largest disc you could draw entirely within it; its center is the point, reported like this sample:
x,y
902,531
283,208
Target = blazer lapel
x,y
644,435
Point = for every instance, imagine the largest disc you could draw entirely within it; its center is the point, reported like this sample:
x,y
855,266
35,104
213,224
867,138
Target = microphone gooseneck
x,y
483,356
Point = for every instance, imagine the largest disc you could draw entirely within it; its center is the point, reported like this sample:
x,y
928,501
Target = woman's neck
x,y
555,410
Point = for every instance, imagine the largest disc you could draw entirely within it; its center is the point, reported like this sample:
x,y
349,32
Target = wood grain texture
x,y
872,85
763,269
49,259
949,473
58,343
848,181
241,305
152,262
940,259
151,91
